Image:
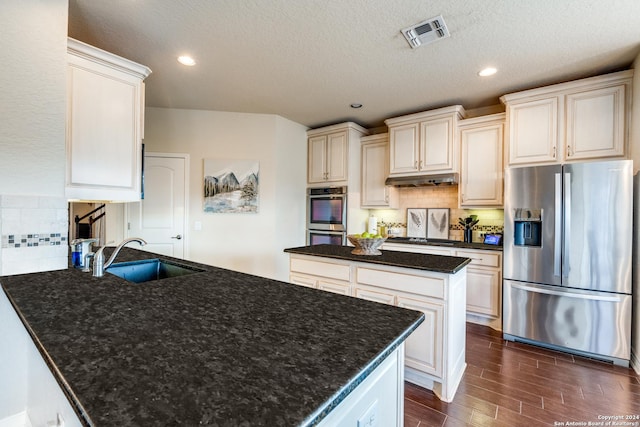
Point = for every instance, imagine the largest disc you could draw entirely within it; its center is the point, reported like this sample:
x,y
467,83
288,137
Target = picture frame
x,y
438,223
417,223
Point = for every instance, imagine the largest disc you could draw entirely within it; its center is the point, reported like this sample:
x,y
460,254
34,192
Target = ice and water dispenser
x,y
527,227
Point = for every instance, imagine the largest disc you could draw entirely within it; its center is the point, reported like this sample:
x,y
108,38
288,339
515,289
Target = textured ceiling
x,y
308,60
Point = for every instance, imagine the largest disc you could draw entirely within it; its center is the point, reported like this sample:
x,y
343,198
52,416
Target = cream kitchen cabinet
x,y
375,169
329,152
481,170
434,352
424,143
579,120
484,279
484,286
105,114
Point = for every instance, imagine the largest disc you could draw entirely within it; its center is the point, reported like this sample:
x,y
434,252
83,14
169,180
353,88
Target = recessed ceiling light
x,y
489,71
356,105
187,60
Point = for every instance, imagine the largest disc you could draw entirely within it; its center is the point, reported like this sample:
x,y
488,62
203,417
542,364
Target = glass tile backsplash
x,y
33,234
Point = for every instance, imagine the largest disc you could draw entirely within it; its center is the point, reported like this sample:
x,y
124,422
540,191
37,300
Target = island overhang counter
x,y
213,348
433,284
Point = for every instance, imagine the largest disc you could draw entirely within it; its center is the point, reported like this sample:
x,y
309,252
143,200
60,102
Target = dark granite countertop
x,y
437,263
213,348
446,243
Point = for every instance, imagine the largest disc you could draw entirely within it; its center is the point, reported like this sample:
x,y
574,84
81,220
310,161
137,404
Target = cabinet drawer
x,y
335,287
297,279
481,257
376,296
428,286
322,269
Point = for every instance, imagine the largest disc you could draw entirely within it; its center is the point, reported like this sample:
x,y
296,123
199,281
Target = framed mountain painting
x,y
231,186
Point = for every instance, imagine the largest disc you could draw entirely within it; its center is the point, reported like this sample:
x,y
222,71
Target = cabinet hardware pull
x,y
178,237
554,151
568,151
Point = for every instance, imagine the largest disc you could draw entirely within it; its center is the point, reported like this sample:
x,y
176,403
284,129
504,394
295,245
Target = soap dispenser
x,y
80,248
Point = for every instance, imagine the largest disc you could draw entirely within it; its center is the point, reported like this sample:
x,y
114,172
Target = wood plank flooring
x,y
515,384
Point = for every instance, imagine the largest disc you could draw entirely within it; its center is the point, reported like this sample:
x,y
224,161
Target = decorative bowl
x,y
366,245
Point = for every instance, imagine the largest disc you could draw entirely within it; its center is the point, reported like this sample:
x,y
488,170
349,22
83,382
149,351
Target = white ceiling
x,y
308,60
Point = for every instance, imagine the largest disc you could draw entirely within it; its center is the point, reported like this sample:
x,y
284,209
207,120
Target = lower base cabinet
x,y
484,280
377,401
29,393
434,354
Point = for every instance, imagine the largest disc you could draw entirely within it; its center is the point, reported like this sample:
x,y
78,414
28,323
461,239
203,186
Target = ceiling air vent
x,y
426,32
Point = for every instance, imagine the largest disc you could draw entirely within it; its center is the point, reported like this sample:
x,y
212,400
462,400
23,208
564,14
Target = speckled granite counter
x,y
444,243
437,263
213,348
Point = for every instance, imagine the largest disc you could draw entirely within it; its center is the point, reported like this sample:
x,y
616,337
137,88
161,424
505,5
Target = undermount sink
x,y
149,269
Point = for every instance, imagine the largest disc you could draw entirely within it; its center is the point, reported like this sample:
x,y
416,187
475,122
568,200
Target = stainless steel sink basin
x,y
149,269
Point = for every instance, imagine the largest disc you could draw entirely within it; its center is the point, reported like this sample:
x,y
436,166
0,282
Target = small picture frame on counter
x,y
438,223
417,223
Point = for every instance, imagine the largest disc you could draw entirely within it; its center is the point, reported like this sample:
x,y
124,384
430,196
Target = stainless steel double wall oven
x,y
327,215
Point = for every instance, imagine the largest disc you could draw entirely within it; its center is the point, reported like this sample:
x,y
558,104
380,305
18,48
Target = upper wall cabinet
x,y
424,143
375,169
578,120
330,151
105,114
481,170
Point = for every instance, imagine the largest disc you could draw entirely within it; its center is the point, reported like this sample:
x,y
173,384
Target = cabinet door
x,y
596,123
404,146
481,182
483,291
103,132
375,161
436,146
337,157
423,348
533,132
317,162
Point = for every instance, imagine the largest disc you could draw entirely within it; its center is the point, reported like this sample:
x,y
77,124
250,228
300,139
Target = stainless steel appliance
x,y
327,215
567,257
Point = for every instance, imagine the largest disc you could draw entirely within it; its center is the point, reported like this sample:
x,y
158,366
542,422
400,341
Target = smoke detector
x,y
426,32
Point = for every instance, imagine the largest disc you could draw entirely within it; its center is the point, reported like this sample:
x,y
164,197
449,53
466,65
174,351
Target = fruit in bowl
x,y
366,243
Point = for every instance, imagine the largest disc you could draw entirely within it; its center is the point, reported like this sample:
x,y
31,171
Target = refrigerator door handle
x,y
557,244
598,297
566,226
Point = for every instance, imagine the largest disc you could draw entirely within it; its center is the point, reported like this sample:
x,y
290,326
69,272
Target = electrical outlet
x,y
370,417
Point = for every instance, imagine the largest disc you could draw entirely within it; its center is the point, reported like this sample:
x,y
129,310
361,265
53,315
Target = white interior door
x,y
160,218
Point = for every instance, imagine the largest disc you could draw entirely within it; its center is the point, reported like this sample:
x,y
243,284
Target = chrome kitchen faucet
x,y
98,260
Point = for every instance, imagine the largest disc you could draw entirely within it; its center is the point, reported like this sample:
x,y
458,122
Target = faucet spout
x,y
99,264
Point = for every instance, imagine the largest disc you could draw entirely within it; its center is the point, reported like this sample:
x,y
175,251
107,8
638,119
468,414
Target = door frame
x,y
187,176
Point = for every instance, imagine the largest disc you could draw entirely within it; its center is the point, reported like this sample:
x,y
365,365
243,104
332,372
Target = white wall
x,y
635,155
33,50
32,135
251,243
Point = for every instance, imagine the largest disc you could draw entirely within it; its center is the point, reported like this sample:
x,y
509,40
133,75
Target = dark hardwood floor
x,y
515,384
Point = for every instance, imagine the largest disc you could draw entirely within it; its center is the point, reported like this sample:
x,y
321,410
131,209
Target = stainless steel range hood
x,y
422,180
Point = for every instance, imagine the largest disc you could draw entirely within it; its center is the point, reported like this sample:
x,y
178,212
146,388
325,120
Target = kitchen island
x,y
216,347
433,284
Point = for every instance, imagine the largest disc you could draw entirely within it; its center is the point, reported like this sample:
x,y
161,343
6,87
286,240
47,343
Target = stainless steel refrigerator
x,y
567,257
